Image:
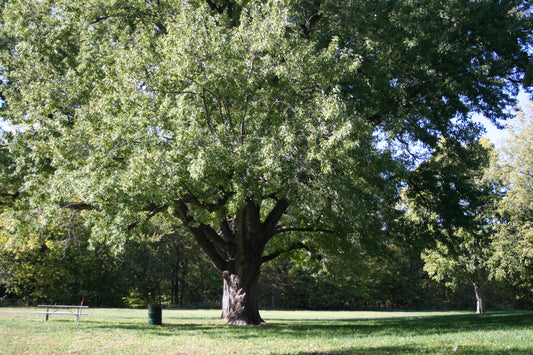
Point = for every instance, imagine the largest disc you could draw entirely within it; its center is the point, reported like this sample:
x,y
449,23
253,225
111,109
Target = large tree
x,y
512,174
264,126
451,202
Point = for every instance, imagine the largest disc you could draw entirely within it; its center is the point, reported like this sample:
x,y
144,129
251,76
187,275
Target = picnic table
x,y
64,309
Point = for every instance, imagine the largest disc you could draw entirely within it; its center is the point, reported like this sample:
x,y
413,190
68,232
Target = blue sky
x,y
497,136
4,126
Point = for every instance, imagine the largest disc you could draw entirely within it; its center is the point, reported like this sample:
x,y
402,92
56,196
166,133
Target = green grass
x,y
126,331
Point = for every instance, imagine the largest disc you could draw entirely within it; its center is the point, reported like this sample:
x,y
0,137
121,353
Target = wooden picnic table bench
x,y
64,309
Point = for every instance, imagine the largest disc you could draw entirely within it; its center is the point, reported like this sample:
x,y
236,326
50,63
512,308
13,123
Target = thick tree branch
x,y
310,230
227,231
208,248
222,247
80,206
227,107
10,195
274,217
207,114
420,193
295,246
210,207
313,17
100,18
182,212
152,209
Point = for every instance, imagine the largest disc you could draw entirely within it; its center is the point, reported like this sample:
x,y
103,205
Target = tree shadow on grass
x,y
400,326
352,333
441,324
410,326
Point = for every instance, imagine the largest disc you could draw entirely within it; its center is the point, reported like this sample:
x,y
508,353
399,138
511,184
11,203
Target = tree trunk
x,y
480,299
236,250
239,301
241,275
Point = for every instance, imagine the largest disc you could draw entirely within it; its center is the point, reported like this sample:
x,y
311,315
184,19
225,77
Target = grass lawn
x,y
126,331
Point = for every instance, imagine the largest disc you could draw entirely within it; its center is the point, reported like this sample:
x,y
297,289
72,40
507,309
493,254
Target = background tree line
x,y
58,273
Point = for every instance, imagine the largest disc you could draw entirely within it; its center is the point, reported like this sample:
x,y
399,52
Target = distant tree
x,y
468,266
263,126
458,213
512,174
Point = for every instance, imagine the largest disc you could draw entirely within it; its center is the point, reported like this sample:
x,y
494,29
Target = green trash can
x,y
154,315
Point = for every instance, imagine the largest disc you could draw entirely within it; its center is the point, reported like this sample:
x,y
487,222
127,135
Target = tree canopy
x,y
262,126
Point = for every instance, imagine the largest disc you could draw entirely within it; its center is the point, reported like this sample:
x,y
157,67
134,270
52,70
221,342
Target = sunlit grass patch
x,y
119,331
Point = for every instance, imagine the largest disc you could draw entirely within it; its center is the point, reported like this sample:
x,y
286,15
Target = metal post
x,y
79,315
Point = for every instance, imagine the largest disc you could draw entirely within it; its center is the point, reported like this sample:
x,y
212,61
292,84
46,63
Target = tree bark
x,y
240,306
480,299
